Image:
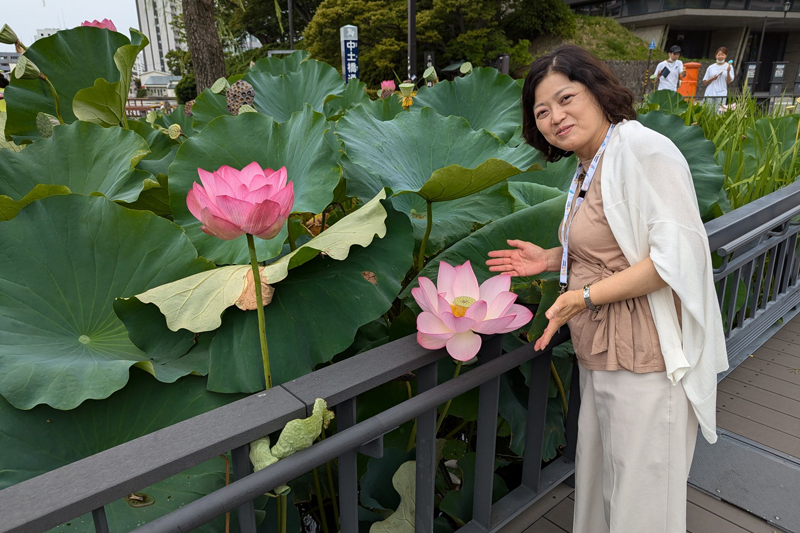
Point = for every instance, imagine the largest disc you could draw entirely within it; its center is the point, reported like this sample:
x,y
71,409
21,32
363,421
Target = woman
x,y
638,256
717,78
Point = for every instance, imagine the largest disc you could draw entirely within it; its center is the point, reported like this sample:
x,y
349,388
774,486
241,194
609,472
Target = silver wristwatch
x,y
588,300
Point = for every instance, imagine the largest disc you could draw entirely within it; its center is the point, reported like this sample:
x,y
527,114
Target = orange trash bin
x,y
688,88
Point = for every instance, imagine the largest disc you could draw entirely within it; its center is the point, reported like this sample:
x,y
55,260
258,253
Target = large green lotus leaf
x,y
278,96
668,102
699,153
458,503
208,106
456,219
314,314
278,65
384,108
537,224
162,148
64,59
84,157
440,158
63,260
529,194
196,303
354,94
104,102
557,175
298,144
3,142
486,98
45,439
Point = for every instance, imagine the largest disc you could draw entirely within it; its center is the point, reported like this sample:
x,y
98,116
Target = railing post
x,y
100,521
488,400
426,454
241,468
348,471
537,413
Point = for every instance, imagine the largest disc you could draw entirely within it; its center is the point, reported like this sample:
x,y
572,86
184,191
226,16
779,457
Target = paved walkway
x,y
759,400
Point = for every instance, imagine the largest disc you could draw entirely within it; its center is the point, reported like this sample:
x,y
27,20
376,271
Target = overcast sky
x,y
27,16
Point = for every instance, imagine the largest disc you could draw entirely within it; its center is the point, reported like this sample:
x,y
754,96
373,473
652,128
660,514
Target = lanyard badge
x,y
569,210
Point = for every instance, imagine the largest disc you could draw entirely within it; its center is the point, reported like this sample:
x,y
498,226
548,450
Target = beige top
x,y
621,335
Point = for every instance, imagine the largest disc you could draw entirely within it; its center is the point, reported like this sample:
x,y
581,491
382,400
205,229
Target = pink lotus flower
x,y
105,23
233,202
457,308
388,85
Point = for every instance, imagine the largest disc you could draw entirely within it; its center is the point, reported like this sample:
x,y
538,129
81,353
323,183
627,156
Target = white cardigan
x,y
651,207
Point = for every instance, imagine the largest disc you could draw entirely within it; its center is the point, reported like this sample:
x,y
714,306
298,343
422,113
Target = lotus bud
x,y
26,70
174,131
7,35
466,68
387,88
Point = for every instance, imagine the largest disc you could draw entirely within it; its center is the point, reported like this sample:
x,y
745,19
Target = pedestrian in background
x,y
669,72
716,80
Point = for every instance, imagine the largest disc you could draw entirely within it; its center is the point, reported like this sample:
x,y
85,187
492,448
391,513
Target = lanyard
x,y
567,222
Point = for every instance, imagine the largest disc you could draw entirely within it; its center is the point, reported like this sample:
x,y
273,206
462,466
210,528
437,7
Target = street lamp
x,y
787,5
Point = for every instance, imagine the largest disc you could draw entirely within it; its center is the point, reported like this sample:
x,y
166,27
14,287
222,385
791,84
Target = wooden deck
x,y
759,400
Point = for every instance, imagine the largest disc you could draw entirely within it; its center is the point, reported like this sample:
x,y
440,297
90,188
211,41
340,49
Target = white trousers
x,y
636,439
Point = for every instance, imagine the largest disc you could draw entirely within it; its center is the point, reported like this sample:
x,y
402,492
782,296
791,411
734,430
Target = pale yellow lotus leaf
x,y
196,303
404,482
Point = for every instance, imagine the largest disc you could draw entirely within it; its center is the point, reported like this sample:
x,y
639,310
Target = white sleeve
x,y
733,76
708,73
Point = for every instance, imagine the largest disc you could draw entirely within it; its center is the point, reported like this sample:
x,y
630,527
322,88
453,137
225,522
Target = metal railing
x,y
758,244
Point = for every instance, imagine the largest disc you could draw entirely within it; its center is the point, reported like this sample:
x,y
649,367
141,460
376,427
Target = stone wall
x,y
632,74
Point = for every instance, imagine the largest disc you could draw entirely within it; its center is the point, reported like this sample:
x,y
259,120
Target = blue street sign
x,y
653,44
349,48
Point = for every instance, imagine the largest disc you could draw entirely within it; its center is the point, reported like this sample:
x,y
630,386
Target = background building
x,y
8,60
46,32
155,21
753,30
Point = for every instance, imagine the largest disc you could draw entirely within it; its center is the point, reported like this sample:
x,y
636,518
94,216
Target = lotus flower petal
x,y
219,227
430,324
105,23
493,286
458,324
432,342
494,325
522,316
426,295
465,283
232,202
463,346
477,311
444,281
500,304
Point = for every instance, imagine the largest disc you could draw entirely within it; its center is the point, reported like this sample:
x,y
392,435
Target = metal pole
x,y
412,39
647,73
758,58
291,27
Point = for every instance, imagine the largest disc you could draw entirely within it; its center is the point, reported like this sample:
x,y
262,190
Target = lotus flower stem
x,y
447,405
282,511
262,330
559,386
320,502
331,485
55,97
428,228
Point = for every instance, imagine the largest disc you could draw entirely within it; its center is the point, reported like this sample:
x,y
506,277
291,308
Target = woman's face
x,y
568,115
721,56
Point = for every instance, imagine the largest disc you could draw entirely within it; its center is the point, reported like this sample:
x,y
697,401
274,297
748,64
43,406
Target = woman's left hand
x,y
565,307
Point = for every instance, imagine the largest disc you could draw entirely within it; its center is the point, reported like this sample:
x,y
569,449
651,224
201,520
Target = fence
x,y
758,245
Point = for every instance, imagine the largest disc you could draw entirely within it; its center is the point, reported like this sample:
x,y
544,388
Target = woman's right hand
x,y
523,259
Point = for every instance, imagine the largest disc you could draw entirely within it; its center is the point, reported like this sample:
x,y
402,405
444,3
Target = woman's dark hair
x,y
3,81
578,65
723,49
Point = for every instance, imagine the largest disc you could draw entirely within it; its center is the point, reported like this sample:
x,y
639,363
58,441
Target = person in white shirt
x,y
716,80
669,79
